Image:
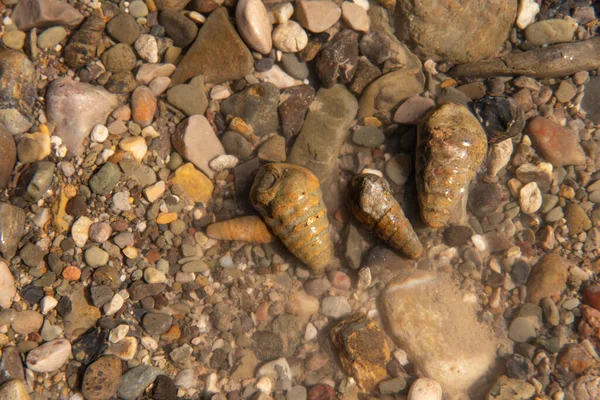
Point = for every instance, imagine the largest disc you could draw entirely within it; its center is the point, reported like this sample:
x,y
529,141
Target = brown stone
x,y
8,156
557,144
548,278
574,358
99,380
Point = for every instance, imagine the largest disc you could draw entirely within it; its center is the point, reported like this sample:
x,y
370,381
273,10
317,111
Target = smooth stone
x,y
100,377
218,53
11,365
157,323
7,286
325,129
16,108
530,198
138,9
338,59
236,145
355,16
82,315
12,225
105,179
289,37
136,380
550,31
278,77
14,390
389,91
423,311
557,144
194,183
180,28
34,147
14,39
36,180
95,257
254,25
591,99
317,15
528,9
413,110
548,278
123,28
8,156
425,389
335,307
189,98
143,106
27,322
577,219
119,58
171,5
50,356
76,108
481,27
195,140
368,136
294,66
29,14
257,106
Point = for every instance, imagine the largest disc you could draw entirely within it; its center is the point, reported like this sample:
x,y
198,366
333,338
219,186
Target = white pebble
x,y
363,3
47,304
290,37
50,356
219,92
114,304
530,198
528,9
479,242
223,162
147,48
425,389
281,13
99,133
118,334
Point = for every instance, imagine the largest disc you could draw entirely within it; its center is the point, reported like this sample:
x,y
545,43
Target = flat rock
x,y
254,25
29,14
324,131
413,110
12,225
195,140
557,144
218,53
8,156
317,15
257,106
189,98
442,30
16,106
50,356
82,315
100,377
293,108
548,278
389,91
439,332
76,108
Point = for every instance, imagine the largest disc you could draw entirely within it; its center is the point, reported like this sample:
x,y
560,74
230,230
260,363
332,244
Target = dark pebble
x,y
485,198
164,388
64,306
520,272
456,236
31,255
32,294
518,367
77,206
321,392
267,345
263,65
101,295
500,117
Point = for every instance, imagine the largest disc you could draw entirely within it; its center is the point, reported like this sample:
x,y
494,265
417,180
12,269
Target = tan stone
x,y
193,182
317,15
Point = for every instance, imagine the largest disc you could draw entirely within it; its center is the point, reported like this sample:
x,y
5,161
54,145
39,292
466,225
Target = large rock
x,y
29,14
17,91
557,144
76,108
389,91
438,330
548,278
82,316
257,106
453,30
12,223
323,133
218,53
8,156
195,140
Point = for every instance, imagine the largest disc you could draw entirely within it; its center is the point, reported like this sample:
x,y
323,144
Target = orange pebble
x,y
71,273
247,229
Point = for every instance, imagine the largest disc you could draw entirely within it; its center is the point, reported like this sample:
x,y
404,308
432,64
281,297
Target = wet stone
x,y
236,145
267,345
14,390
12,223
577,219
548,278
100,377
257,106
500,117
31,255
164,388
8,156
104,181
157,323
15,110
101,295
293,108
136,380
368,136
338,60
123,28
11,365
456,236
485,198
294,66
36,180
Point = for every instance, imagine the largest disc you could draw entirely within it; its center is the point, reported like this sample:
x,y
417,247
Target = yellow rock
x,y
61,220
194,183
166,218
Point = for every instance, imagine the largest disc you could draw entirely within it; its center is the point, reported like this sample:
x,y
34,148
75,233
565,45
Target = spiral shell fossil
x,y
373,204
289,199
451,145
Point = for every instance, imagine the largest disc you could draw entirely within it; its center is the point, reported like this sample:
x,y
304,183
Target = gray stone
x,y
142,173
76,108
16,107
237,145
338,60
181,29
29,14
157,323
123,28
257,106
335,307
11,365
51,37
591,100
294,66
521,330
95,257
101,295
136,380
31,255
104,181
189,98
218,53
368,136
36,180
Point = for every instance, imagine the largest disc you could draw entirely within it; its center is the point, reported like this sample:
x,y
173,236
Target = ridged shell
x,y
373,204
289,199
451,145
246,229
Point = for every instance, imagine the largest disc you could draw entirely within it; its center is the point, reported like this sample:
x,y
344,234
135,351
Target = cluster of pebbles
x,y
134,266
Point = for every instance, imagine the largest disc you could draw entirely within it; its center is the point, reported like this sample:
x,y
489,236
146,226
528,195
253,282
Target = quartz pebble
x,y
50,356
289,37
530,198
254,25
317,15
425,389
355,16
528,9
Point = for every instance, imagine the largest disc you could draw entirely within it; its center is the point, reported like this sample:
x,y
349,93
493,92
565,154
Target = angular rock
x,y
29,14
355,16
257,106
36,180
363,350
34,147
294,103
557,144
11,365
189,98
254,25
500,117
8,156
317,15
591,100
136,380
366,73
76,108
577,219
454,31
180,28
510,389
17,91
193,182
50,356
12,225
338,60
439,332
548,278
218,53
389,91
195,140
84,43
100,377
324,131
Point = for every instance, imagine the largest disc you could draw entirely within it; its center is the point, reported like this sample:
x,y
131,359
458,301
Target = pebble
x,y
7,286
189,98
355,16
281,13
143,106
181,29
14,390
16,109
51,37
157,323
99,133
123,28
94,105
548,278
138,9
147,47
50,356
80,231
136,380
335,307
256,106
100,377
557,144
254,25
47,304
155,192
368,136
577,219
530,198
521,330
565,92
149,72
14,40
223,162
119,58
289,37
95,256
104,181
528,9
12,224
100,232
34,147
29,14
550,31
425,389
338,60
413,110
317,15
8,156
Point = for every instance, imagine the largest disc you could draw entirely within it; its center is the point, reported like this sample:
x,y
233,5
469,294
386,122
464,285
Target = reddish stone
x,y
591,296
557,144
321,392
153,255
589,327
575,358
340,280
119,225
71,273
143,106
262,311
